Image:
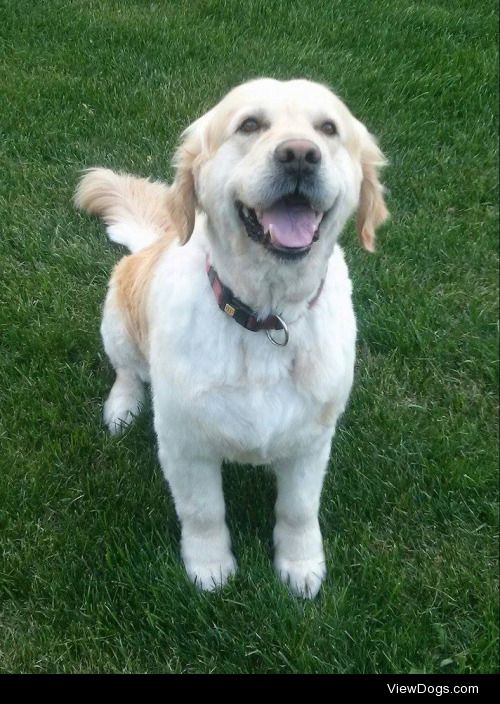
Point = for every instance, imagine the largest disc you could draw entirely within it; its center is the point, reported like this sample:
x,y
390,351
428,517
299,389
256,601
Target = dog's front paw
x,y
303,577
299,558
209,576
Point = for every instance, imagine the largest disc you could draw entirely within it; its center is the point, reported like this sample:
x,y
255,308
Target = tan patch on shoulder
x,y
132,281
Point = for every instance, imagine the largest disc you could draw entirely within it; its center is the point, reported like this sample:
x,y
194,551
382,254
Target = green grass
x,y
90,578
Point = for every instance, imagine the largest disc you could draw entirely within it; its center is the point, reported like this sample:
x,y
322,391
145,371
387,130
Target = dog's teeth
x,y
271,231
267,237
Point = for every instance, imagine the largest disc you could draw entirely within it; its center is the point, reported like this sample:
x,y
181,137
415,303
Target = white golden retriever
x,y
235,305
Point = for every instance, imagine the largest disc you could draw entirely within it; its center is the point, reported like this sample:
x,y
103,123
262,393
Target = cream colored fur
x,y
220,391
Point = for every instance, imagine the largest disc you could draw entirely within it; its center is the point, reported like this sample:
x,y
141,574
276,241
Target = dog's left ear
x,y
181,196
372,210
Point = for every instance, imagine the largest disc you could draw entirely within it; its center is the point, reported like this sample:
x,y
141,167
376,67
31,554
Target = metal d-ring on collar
x,y
245,316
285,330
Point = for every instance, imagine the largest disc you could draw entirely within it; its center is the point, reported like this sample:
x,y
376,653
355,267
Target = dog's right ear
x,y
181,196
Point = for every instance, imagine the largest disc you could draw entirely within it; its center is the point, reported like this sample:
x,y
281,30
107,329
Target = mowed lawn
x,y
90,577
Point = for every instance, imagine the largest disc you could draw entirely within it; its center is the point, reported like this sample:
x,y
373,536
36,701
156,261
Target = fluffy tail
x,y
134,209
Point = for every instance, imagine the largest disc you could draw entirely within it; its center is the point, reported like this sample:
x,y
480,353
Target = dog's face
x,y
279,166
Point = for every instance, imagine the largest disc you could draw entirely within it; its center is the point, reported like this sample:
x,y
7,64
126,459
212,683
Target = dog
x,y
235,305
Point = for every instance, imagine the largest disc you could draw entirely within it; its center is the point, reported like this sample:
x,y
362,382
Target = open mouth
x,y
288,228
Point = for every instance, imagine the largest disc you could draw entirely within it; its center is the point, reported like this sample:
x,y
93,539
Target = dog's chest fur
x,y
215,382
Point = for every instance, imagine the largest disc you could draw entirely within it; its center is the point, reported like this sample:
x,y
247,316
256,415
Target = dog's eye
x,y
329,128
251,124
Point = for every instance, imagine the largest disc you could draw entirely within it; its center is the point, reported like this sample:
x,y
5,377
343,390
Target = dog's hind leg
x,y
127,393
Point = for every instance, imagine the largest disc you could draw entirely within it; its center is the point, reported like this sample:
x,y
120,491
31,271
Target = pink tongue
x,y
290,225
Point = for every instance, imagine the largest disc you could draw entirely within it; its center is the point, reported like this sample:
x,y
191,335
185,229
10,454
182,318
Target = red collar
x,y
245,316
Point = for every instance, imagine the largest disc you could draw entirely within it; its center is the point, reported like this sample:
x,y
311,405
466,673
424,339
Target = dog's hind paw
x,y
124,403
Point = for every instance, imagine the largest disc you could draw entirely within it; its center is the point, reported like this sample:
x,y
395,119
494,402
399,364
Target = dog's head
x,y
279,166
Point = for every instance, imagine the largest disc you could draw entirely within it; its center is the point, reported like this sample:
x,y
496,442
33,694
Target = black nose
x,y
298,155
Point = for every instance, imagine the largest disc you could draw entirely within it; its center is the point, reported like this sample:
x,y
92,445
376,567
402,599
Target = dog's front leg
x,y
196,486
299,558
